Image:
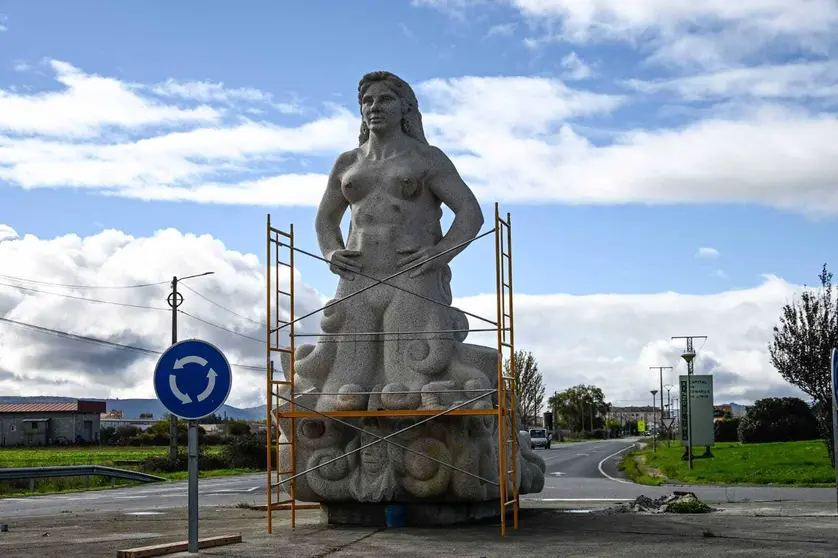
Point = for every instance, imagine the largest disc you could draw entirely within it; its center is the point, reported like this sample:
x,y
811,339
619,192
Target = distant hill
x,y
132,408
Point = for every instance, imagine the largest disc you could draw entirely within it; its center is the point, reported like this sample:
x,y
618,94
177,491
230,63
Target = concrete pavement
x,y
542,533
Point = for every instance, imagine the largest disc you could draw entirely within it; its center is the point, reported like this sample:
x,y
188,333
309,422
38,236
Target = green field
x,y
122,457
781,463
91,455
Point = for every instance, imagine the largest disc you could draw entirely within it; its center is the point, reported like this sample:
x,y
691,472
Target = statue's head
x,y
387,100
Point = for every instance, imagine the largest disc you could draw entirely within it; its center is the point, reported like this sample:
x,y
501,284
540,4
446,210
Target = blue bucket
x,y
394,516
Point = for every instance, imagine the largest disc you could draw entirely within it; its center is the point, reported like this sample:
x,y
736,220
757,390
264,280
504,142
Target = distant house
x,y
41,424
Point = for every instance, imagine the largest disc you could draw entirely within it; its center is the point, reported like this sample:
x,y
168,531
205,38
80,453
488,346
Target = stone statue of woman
x,y
398,344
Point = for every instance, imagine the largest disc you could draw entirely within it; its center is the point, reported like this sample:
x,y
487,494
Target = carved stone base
x,y
382,472
409,514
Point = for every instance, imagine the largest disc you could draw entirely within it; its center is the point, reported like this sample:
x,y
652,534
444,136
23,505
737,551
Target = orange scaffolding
x,y
504,410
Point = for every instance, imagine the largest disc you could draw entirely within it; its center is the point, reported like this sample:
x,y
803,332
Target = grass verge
x,y
782,463
121,457
632,467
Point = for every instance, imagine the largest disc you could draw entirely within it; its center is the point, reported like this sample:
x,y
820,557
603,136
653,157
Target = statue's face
x,y
381,108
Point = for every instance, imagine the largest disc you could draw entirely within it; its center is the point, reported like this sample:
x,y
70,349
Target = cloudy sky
x,y
670,168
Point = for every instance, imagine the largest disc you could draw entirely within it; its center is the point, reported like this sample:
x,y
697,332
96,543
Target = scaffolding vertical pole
x,y
290,378
513,381
277,319
502,474
269,373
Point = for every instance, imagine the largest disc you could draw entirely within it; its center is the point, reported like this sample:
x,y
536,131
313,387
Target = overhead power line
x,y
93,340
222,327
65,295
211,301
65,285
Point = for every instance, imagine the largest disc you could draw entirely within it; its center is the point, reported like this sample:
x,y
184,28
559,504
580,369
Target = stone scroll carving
x,y
394,184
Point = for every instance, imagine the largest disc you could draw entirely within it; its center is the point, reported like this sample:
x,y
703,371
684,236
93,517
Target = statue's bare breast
x,y
392,208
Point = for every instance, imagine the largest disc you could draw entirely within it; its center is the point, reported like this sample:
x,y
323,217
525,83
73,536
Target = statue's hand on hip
x,y
412,256
342,262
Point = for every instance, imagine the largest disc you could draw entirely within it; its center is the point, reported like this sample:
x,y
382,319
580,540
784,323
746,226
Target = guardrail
x,y
32,473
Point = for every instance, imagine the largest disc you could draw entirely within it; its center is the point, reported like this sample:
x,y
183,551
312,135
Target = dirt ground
x,y
543,532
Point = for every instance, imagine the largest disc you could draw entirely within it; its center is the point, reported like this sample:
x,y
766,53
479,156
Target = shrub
x,y
727,430
778,419
162,464
247,452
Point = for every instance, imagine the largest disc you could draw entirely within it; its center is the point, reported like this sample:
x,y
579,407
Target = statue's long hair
x,y
411,117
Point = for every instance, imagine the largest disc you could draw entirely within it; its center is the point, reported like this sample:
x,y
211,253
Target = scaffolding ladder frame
x,y
505,410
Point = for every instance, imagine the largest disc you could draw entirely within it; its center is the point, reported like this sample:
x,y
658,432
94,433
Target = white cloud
x,y
44,364
576,68
7,233
805,80
3,19
511,140
707,253
180,160
632,331
502,30
206,91
514,139
87,105
711,34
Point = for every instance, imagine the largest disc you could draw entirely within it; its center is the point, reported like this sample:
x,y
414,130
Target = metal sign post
x,y
834,368
192,380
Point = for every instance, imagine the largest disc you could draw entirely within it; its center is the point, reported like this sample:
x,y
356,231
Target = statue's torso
x,y
392,208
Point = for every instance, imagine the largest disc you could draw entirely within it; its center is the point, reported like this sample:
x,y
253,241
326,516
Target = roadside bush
x,y
727,430
597,434
247,452
778,419
162,464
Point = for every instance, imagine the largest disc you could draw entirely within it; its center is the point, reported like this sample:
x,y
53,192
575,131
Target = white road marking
x,y
579,499
606,475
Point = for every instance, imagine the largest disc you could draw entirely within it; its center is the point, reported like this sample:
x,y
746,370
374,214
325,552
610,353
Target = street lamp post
x,y
654,432
175,299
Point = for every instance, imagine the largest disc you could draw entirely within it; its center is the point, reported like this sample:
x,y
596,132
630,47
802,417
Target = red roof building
x,y
39,424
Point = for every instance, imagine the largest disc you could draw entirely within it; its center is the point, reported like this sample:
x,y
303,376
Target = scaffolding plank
x,y
281,383
390,413
281,350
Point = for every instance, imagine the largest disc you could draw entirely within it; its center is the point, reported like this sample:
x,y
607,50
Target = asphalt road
x,y
587,472
582,473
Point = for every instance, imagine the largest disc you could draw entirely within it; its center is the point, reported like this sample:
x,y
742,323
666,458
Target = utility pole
x,y
175,299
689,355
654,432
660,370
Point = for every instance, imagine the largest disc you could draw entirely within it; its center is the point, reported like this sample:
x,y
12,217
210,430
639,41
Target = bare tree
x,y
529,387
802,346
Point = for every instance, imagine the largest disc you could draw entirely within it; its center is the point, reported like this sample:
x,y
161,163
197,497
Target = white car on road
x,y
539,438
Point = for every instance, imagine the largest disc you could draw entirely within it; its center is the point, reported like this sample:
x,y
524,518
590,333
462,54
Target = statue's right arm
x,y
332,207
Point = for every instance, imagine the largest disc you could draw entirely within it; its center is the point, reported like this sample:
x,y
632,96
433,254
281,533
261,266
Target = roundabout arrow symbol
x,y
210,385
181,362
177,393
